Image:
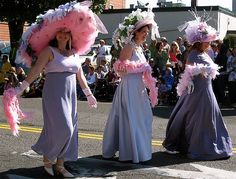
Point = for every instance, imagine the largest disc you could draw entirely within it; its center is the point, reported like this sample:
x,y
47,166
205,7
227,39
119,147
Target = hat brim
x,y
81,24
144,22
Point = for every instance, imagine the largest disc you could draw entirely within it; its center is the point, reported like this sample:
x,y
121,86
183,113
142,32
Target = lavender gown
x,y
196,126
129,125
59,137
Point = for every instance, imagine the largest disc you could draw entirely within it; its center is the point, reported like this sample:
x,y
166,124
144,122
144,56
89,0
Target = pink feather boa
x,y
12,111
139,67
194,70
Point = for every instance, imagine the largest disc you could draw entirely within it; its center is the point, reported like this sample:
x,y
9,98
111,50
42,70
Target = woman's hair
x,y
158,45
174,43
197,46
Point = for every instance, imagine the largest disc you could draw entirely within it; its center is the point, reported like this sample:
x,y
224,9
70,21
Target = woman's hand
x,y
92,102
20,89
190,87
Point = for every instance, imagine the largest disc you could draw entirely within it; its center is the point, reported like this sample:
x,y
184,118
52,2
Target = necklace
x,y
64,52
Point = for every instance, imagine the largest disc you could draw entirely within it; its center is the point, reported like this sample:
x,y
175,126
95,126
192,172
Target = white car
x,y
92,54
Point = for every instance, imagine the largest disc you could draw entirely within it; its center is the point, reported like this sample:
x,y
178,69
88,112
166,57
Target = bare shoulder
x,y
46,53
126,52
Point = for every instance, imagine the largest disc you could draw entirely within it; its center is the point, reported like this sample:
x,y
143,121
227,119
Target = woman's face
x,y
63,35
142,34
205,45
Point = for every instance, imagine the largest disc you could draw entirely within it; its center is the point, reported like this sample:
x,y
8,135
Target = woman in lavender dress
x,y
129,125
58,56
196,127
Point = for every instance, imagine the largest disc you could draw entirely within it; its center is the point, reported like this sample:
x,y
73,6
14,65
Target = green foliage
x,y
26,10
98,6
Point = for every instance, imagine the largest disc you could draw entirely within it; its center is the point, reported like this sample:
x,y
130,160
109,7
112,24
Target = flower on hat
x,y
132,22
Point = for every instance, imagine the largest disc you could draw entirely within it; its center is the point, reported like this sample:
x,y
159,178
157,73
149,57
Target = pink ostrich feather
x,y
12,111
139,67
194,70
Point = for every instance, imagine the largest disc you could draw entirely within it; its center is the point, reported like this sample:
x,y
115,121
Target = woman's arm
x,y
82,80
43,59
92,102
126,52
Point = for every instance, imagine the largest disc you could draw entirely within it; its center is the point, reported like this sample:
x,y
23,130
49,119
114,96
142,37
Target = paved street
x,y
18,161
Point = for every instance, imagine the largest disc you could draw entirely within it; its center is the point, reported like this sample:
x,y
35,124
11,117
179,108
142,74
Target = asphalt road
x,y
18,161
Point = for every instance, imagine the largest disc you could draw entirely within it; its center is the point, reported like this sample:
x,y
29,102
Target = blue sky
x,y
223,3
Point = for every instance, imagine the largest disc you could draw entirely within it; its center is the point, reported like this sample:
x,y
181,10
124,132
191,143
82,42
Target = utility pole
x,y
193,3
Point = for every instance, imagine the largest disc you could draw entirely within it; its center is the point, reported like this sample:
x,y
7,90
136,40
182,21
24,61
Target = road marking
x,y
80,134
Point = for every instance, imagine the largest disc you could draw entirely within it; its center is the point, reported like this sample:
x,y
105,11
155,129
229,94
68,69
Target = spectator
x,y
100,72
222,79
152,48
101,52
161,57
169,78
231,69
20,74
146,51
105,66
115,52
91,77
6,65
166,46
174,51
155,70
162,91
182,48
85,66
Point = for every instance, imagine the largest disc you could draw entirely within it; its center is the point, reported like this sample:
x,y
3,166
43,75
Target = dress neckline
x,y
57,51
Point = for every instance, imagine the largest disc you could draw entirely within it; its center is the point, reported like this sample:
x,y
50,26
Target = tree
x,y
18,12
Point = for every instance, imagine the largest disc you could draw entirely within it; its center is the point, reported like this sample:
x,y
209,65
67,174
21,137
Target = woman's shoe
x,y
48,168
171,152
61,170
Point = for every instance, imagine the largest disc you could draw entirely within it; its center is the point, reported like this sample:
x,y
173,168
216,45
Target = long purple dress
x,y
59,137
196,126
129,125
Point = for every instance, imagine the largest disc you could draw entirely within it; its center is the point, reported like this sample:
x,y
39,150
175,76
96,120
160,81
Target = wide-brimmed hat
x,y
83,24
198,30
133,22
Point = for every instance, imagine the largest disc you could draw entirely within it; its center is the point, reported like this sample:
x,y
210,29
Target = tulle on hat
x,y
83,24
198,30
133,22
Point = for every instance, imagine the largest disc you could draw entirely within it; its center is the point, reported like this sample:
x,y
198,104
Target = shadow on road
x,y
96,166
165,111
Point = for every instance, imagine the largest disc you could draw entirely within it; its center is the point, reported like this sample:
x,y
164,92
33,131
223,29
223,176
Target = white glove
x,y
190,87
92,102
23,86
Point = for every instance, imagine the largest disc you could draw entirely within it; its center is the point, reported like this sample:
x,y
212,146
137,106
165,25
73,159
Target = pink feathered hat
x,y
198,30
77,17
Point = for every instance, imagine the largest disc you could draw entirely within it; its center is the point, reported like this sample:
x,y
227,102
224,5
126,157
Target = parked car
x,y
92,54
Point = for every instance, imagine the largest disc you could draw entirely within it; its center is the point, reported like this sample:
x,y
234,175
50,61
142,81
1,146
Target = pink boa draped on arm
x,y
194,70
135,67
12,111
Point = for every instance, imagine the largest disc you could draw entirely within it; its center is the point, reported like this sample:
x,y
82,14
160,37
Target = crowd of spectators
x,y
166,59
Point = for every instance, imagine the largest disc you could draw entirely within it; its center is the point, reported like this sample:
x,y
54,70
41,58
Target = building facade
x,y
115,4
169,18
